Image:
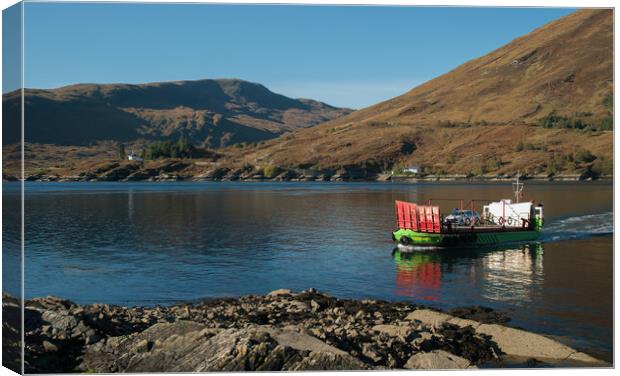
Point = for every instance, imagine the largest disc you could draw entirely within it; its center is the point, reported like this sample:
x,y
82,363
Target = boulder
x,y
301,341
393,330
525,344
321,361
118,173
280,292
511,341
191,347
437,359
428,317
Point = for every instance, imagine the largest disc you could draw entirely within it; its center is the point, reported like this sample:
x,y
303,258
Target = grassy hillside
x,y
538,104
210,113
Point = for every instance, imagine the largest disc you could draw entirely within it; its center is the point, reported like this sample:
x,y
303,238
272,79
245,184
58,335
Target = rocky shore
x,y
191,170
282,330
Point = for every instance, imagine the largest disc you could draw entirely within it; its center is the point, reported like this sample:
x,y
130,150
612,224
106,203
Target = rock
x,y
422,336
133,350
437,359
118,173
393,330
142,346
91,337
49,347
6,177
185,313
280,292
585,358
60,321
521,343
480,314
297,306
320,361
301,341
315,305
428,317
253,349
79,330
141,175
280,331
173,166
511,341
369,351
437,319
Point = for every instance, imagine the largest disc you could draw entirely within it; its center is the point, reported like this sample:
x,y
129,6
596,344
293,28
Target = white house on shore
x,y
134,157
407,171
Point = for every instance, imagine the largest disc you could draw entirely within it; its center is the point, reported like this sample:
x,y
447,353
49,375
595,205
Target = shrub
x,y
520,146
607,124
553,166
603,166
583,155
247,167
554,120
271,171
530,146
608,102
494,164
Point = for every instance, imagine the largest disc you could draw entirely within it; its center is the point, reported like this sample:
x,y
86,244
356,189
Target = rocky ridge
x,y
209,112
283,330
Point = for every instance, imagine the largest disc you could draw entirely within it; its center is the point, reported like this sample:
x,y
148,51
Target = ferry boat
x,y
501,221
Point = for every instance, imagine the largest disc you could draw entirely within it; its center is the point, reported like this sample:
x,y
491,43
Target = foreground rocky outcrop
x,y
280,331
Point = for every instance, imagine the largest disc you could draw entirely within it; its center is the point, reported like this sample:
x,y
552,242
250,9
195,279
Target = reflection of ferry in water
x,y
501,221
417,274
502,273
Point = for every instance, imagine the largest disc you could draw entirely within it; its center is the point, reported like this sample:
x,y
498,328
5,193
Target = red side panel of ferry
x,y
436,219
422,216
400,214
413,211
429,219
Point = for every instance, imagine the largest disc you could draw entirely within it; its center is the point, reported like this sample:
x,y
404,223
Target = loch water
x,y
160,243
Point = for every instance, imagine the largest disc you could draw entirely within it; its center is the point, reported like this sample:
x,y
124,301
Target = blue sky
x,y
345,56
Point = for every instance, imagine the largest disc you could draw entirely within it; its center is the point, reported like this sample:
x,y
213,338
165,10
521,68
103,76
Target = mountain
x,y
211,113
541,104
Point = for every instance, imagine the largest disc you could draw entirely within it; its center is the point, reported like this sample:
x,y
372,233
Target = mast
x,y
518,189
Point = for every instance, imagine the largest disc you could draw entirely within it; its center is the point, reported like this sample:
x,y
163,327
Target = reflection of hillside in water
x,y
500,274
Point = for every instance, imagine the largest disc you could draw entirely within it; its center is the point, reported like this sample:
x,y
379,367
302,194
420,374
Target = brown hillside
x,y
532,104
211,113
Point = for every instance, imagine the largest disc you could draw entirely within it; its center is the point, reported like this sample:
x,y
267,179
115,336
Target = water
x,y
159,243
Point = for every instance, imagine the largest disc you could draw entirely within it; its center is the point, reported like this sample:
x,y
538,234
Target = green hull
x,y
460,239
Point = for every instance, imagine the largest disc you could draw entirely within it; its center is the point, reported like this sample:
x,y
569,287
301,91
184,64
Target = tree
x,y
121,151
168,149
182,144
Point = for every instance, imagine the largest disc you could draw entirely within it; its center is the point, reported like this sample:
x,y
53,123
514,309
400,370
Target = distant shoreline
x,y
379,178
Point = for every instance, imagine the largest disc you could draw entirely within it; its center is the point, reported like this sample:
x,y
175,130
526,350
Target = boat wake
x,y
578,227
